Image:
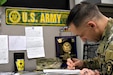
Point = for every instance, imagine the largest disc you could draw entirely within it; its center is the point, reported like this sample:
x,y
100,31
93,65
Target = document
x,y
17,43
62,71
34,42
3,49
6,73
35,52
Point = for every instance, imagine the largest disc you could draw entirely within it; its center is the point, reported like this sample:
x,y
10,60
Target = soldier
x,y
85,20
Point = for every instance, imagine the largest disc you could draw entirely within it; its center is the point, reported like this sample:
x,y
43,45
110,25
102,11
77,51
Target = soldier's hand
x,y
86,71
74,63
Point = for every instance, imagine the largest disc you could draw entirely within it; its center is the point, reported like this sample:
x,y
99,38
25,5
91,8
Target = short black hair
x,y
81,12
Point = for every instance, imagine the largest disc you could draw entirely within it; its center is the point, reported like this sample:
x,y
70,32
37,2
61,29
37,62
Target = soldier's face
x,y
85,32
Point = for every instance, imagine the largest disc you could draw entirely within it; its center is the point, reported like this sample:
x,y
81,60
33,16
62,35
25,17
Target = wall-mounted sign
x,y
36,17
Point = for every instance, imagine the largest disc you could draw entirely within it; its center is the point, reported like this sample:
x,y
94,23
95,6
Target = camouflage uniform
x,y
48,63
104,60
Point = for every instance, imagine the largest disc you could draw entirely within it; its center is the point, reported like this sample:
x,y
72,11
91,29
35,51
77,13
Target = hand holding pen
x,y
74,63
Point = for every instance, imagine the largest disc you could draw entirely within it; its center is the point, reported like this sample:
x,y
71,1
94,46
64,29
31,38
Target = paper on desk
x,y
3,49
34,42
62,71
6,73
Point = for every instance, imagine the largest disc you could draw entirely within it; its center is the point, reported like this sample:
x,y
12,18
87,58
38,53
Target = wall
x,y
49,34
102,1
78,1
107,1
49,44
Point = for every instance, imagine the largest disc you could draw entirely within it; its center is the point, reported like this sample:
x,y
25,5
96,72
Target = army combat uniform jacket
x,y
104,59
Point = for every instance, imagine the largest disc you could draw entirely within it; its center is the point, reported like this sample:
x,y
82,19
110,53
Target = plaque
x,y
65,47
89,50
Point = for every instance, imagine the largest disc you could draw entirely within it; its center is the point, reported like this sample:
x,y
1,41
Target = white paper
x,y
34,31
3,49
17,43
35,52
34,42
62,71
6,73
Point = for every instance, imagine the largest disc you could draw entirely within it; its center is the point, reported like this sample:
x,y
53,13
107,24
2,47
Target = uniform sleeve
x,y
91,63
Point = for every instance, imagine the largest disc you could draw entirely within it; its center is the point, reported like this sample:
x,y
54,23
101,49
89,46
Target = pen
x,y
74,67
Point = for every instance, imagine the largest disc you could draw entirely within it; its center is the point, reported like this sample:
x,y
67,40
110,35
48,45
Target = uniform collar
x,y
107,30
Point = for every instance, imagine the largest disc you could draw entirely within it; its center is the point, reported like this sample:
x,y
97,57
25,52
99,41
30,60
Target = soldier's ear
x,y
91,24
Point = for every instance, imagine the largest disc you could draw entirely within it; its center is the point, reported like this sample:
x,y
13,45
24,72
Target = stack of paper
x,y
62,71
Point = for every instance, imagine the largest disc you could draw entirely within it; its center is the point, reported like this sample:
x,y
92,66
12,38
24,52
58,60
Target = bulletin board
x,y
49,32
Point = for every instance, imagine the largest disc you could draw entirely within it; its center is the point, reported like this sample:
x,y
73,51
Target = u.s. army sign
x,y
36,17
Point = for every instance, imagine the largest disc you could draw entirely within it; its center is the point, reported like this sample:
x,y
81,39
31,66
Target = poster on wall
x,y
34,42
35,17
17,43
4,59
